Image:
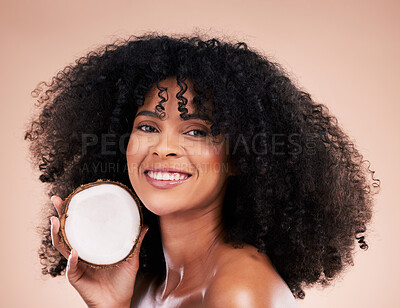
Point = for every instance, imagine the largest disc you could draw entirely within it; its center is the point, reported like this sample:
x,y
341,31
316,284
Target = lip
x,y
161,184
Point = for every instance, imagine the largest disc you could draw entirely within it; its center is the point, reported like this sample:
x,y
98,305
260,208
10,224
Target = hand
x,y
109,287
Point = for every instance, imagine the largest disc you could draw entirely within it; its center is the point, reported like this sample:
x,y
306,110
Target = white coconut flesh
x,y
103,223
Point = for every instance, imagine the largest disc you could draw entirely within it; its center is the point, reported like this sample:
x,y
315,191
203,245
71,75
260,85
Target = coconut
x,y
102,221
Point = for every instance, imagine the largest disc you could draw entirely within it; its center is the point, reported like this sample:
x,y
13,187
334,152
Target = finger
x,y
73,272
56,240
57,202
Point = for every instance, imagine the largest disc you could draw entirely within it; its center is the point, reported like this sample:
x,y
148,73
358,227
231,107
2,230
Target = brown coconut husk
x,y
64,216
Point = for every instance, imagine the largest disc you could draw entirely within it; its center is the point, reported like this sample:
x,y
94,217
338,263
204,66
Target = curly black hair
x,y
304,193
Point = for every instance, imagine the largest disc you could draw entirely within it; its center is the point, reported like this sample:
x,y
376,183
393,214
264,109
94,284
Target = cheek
x,y
134,153
133,146
213,159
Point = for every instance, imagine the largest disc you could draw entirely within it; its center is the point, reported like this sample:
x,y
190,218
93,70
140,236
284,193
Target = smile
x,y
165,180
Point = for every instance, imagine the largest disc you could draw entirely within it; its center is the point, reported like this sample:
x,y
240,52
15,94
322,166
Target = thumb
x,y
73,273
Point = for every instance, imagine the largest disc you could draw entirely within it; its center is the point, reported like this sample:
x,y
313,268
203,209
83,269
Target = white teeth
x,y
158,176
167,176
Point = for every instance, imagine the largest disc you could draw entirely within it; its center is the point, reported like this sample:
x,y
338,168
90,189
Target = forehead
x,y
170,95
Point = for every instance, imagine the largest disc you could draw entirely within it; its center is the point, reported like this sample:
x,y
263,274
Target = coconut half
x,y
102,221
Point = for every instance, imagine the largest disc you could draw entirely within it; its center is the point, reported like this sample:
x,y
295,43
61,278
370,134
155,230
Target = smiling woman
x,y
183,149
251,190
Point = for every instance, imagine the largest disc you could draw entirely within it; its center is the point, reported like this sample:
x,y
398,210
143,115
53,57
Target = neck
x,y
189,242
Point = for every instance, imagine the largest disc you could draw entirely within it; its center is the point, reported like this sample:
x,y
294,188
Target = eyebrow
x,y
188,116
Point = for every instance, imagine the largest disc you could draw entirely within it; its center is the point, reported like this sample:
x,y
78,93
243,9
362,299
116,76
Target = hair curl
x,y
304,205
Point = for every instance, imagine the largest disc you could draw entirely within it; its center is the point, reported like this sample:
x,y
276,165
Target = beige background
x,y
345,53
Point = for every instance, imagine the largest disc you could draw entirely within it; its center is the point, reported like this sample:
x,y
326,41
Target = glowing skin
x,y
176,143
199,265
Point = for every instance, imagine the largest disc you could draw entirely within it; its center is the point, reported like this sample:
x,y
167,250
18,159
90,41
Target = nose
x,y
167,145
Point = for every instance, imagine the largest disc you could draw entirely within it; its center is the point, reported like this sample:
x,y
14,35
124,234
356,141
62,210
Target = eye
x,y
150,129
146,128
198,132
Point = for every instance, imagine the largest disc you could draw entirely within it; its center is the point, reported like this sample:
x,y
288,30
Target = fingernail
x,y
73,251
51,221
52,197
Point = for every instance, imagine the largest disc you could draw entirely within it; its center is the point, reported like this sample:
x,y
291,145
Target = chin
x,y
164,202
159,205
160,209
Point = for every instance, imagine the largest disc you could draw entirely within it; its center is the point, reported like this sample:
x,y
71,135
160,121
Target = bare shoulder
x,y
246,278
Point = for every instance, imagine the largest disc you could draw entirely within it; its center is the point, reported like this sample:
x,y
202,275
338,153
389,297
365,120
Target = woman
x,y
269,193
